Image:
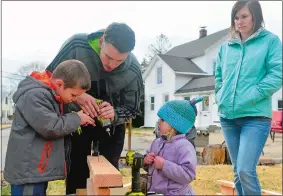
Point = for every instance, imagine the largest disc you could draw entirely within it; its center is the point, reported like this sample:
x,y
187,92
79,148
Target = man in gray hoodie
x,y
35,152
116,79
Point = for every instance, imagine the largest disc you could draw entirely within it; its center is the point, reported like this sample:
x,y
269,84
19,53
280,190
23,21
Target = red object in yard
x,y
276,124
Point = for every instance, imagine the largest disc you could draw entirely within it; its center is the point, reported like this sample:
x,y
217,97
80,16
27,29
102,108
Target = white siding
x,y
7,110
181,80
200,61
158,91
206,62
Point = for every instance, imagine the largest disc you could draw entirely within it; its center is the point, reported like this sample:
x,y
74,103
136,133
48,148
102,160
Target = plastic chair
x,y
276,124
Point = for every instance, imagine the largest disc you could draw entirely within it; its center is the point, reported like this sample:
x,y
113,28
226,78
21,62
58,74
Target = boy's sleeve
x,y
184,171
39,112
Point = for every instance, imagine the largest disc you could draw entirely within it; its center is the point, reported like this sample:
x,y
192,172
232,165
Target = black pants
x,y
110,147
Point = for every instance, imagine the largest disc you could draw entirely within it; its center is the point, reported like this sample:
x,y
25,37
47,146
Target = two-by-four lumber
x,y
226,187
103,175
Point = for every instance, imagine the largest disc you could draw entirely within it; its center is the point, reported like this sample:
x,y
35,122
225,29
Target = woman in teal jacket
x,y
248,72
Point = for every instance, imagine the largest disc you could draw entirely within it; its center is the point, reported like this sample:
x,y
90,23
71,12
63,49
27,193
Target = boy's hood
x,y
34,80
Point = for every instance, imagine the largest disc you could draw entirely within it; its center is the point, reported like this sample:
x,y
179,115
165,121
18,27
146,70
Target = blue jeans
x,y
35,189
245,139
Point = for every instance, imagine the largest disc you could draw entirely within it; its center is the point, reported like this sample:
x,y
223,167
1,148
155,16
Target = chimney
x,y
202,32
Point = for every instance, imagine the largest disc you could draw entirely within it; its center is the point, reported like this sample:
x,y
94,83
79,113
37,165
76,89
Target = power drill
x,y
105,123
135,160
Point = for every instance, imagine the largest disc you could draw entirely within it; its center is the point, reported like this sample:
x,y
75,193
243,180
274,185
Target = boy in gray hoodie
x,y
35,153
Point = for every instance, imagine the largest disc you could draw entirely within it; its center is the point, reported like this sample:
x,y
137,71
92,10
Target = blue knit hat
x,y
180,114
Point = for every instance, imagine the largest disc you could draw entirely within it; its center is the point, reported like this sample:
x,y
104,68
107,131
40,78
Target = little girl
x,y
171,160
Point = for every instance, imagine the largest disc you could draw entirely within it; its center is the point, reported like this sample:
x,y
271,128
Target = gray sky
x,y
34,31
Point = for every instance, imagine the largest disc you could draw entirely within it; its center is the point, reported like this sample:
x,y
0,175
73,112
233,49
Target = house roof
x,y
197,47
179,64
198,84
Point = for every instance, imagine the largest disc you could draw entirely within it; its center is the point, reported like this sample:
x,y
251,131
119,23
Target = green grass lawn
x,y
205,184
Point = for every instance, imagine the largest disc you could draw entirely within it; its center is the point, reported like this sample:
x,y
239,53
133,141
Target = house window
x,y
187,98
213,66
166,98
6,100
205,104
159,75
279,106
151,103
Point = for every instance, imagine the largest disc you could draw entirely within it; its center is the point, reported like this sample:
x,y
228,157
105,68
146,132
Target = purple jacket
x,y
179,166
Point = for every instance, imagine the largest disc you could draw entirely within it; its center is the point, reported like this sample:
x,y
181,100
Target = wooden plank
x,y
266,192
128,125
226,187
104,174
227,190
89,187
226,183
101,191
81,192
121,191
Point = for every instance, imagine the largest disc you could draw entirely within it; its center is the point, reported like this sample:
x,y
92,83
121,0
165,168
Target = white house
x,y
184,72
7,109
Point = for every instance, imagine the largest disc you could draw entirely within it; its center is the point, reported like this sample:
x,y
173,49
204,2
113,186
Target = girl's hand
x,y
148,160
158,162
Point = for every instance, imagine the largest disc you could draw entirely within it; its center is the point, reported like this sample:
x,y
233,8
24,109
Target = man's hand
x,y
148,160
158,162
88,104
85,119
106,111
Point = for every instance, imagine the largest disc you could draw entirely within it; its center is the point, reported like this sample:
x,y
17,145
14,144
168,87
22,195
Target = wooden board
x,y
128,125
81,192
121,191
89,187
266,192
103,173
226,187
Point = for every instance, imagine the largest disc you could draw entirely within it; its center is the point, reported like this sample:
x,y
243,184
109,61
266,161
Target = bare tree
x,y
22,72
161,46
144,65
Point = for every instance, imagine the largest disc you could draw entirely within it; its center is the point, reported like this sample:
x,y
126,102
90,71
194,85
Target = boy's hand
x,y
158,162
148,160
88,104
106,111
85,119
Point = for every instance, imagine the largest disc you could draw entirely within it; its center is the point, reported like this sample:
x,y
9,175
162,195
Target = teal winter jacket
x,y
248,74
